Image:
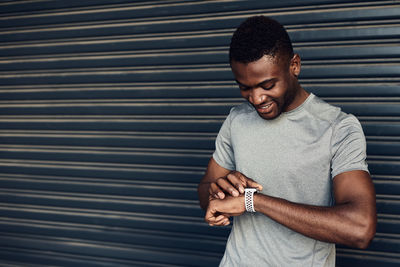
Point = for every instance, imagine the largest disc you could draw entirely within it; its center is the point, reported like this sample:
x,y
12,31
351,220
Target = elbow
x,y
367,238
364,241
365,235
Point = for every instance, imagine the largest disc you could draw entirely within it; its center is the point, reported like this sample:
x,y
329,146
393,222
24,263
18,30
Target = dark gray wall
x,y
109,111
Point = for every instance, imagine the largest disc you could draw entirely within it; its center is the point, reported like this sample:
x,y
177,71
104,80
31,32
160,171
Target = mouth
x,y
265,108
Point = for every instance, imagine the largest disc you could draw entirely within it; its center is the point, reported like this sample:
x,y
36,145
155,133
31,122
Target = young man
x,y
305,158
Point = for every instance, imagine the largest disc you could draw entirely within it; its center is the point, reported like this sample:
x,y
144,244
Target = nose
x,y
257,96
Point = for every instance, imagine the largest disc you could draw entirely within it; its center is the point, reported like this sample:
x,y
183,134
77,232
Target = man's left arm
x,y
351,221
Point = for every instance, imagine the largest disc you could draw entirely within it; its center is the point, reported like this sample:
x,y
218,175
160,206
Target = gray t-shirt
x,y
294,157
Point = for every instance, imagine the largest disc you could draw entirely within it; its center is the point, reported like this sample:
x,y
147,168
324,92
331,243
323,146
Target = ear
x,y
295,65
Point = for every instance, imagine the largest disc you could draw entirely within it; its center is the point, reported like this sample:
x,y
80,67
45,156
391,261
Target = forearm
x,y
204,196
348,223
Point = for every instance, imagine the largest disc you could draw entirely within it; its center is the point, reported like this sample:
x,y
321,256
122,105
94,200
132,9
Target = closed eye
x,y
269,87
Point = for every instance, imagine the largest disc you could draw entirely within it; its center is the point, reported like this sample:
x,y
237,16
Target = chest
x,y
288,158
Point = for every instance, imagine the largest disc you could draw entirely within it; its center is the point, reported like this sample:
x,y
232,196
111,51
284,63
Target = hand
x,y
233,184
219,211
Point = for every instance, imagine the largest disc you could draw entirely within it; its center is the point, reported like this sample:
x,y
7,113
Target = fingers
x,y
237,180
252,183
215,191
233,184
226,185
220,220
216,220
241,181
247,182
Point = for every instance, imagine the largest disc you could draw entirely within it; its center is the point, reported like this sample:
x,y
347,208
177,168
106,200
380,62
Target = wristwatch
x,y
248,199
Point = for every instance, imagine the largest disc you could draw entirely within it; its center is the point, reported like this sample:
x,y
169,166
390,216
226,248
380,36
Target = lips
x,y
264,108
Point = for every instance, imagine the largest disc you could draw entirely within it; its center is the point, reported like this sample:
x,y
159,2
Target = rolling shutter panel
x,y
109,111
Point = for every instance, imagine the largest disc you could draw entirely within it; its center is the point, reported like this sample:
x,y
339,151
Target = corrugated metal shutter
x,y
109,110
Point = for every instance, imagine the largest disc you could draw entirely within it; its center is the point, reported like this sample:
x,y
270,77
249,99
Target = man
x,y
305,157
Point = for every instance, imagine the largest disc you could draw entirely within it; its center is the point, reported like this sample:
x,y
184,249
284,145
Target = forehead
x,y
267,67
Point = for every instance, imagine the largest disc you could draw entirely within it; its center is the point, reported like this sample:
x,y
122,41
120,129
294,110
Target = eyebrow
x,y
261,83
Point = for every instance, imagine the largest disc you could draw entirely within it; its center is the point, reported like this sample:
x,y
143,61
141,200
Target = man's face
x,y
270,85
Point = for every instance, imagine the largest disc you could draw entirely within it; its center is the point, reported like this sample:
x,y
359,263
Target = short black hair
x,y
258,36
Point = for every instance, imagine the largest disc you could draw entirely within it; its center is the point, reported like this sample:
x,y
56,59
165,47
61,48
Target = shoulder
x,y
345,125
348,136
322,110
331,114
323,116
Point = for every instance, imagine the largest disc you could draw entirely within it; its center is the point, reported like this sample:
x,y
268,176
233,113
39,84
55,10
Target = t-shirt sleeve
x,y
348,146
223,153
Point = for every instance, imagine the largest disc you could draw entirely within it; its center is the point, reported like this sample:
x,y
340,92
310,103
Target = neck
x,y
298,99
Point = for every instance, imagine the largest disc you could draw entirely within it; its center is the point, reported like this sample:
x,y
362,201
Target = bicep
x,y
354,187
355,198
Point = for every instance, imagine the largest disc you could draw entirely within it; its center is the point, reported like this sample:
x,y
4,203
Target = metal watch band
x,y
248,199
